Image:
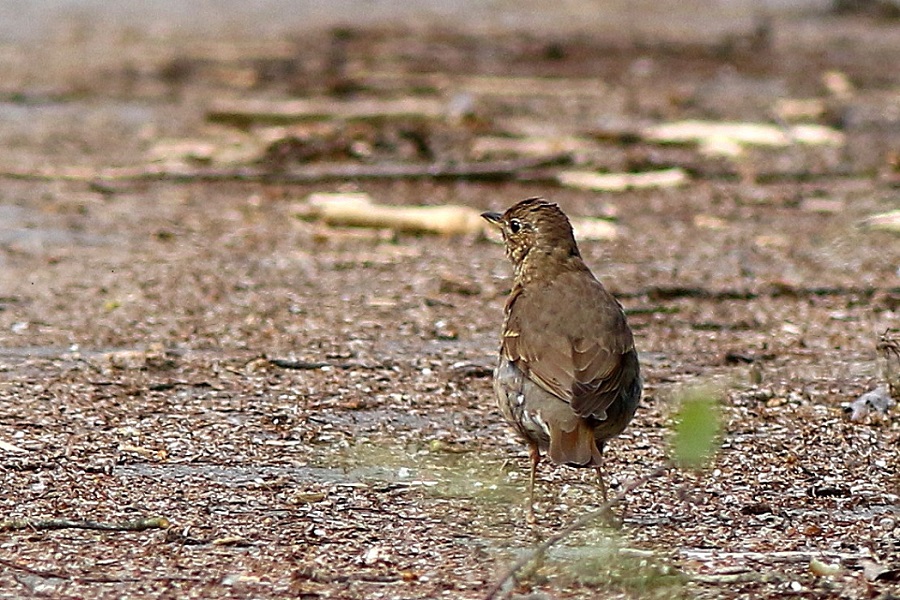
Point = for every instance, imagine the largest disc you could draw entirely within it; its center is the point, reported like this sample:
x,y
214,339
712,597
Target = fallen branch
x,y
481,171
303,365
358,210
774,290
51,524
577,524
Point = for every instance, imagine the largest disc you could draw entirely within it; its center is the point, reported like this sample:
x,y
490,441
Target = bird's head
x,y
535,231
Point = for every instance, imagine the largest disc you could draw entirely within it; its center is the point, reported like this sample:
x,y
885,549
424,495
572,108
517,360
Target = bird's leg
x,y
535,454
602,484
611,519
599,469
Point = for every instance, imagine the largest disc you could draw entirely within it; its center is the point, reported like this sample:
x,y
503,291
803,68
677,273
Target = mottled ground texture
x,y
310,408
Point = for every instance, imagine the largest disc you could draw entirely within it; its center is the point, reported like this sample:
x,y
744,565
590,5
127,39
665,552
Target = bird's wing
x,y
580,356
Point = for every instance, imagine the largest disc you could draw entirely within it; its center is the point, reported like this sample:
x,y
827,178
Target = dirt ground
x,y
310,408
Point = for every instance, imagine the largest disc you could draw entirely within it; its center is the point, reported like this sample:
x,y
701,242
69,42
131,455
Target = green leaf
x,y
697,426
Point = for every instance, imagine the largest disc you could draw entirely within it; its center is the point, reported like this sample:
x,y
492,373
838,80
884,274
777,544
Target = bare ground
x,y
139,322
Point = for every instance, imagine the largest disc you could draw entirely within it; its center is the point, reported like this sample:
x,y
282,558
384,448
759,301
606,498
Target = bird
x,y
568,377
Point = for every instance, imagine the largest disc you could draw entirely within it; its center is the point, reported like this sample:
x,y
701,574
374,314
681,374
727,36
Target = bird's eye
x,y
515,225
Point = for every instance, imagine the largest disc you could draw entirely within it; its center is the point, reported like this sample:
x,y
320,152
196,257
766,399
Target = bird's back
x,y
569,373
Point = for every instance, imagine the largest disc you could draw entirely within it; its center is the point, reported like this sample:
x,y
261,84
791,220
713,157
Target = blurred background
x,y
24,20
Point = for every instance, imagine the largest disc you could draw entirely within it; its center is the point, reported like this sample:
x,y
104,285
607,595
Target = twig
x,y
577,524
299,365
771,291
50,524
790,556
304,365
732,578
45,574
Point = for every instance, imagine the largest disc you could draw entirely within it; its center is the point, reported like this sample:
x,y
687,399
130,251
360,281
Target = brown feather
x,y
576,447
578,359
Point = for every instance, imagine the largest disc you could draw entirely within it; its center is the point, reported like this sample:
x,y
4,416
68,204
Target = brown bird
x,y
568,378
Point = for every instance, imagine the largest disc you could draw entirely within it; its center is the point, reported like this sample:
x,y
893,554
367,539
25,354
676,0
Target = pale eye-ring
x,y
515,225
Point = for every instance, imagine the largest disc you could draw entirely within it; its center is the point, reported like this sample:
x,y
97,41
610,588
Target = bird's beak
x,y
493,218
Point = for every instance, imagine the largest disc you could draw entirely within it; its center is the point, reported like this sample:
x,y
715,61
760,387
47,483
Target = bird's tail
x,y
576,448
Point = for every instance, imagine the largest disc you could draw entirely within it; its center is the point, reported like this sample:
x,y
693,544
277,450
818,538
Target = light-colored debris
x,y
358,210
489,146
877,402
796,109
710,222
230,540
7,447
822,569
216,150
772,240
728,138
303,497
838,84
234,579
145,452
887,221
873,571
822,205
619,182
